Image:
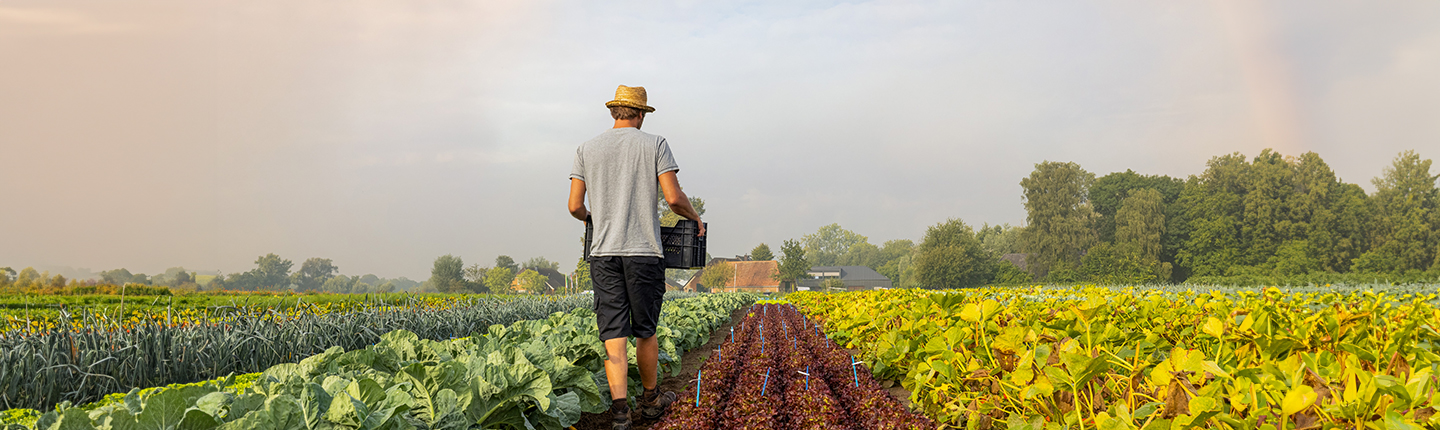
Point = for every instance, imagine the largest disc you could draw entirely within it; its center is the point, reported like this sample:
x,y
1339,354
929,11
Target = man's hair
x,y
625,112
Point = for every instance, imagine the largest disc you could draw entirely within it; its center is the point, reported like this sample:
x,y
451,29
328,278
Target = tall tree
x,y
762,253
582,275
1140,222
119,276
541,263
861,254
999,239
498,279
793,264
1404,231
173,277
313,273
447,275
1139,228
340,284
272,272
27,277
951,257
1329,216
1061,222
1238,216
717,275
1269,188
829,243
1214,206
475,277
898,257
893,249
668,218
1110,191
507,262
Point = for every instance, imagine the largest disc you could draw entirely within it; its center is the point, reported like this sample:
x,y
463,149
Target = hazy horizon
x,y
155,134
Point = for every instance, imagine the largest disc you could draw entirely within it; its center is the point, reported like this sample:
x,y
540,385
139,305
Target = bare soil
x,y
689,364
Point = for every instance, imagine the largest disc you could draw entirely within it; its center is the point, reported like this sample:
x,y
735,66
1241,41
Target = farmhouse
x,y
855,278
750,277
673,285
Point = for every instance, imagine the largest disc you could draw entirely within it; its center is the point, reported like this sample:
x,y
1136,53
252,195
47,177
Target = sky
x,y
381,135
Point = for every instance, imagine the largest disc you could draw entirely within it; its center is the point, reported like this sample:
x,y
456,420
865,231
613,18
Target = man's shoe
x,y
656,405
620,414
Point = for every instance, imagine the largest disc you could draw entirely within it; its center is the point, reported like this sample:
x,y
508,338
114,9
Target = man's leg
x,y
612,313
617,367
647,354
645,279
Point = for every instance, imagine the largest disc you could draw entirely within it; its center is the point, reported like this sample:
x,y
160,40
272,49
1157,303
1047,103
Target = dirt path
x,y
690,363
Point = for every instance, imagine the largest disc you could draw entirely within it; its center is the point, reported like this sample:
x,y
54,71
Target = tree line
x,y
1269,219
449,274
320,275
950,254
271,273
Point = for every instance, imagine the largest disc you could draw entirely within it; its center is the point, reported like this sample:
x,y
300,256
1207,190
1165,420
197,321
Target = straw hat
x,y
632,97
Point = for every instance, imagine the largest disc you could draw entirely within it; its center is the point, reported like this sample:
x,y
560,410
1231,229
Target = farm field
x,y
43,312
531,374
1118,358
779,371
79,362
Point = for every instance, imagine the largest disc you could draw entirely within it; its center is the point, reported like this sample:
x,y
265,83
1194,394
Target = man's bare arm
x,y
577,199
679,202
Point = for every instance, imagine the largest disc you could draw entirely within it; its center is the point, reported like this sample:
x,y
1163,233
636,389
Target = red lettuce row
x,y
758,380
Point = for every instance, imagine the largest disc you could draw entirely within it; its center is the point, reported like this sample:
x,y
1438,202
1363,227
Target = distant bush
x,y
1320,278
78,289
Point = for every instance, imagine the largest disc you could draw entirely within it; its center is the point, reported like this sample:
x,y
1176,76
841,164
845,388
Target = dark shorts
x,y
628,295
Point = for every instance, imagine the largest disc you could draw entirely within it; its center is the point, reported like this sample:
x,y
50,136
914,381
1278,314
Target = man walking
x,y
623,169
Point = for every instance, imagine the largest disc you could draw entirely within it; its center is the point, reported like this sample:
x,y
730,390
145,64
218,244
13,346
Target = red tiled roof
x,y
754,274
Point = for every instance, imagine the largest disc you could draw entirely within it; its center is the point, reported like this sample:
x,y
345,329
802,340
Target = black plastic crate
x,y
682,248
589,231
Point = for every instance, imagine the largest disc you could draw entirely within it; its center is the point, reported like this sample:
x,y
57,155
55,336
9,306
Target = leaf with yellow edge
x,y
1214,327
971,312
1299,398
1215,369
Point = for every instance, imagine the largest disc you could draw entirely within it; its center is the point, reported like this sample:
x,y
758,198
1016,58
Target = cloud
x,y
53,21
383,134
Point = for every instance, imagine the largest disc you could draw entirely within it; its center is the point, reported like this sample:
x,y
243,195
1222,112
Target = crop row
x,y
536,374
81,363
778,371
1033,358
28,315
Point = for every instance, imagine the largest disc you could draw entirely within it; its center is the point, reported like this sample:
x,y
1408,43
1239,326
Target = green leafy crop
x,y
1033,358
537,374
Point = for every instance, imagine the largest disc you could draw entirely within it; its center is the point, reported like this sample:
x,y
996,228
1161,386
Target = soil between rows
x,y
690,363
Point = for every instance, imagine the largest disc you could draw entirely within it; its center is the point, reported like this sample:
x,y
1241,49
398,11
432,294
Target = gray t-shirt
x,y
621,170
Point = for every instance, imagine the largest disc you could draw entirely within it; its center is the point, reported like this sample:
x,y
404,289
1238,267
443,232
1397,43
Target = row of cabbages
x,y
537,374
